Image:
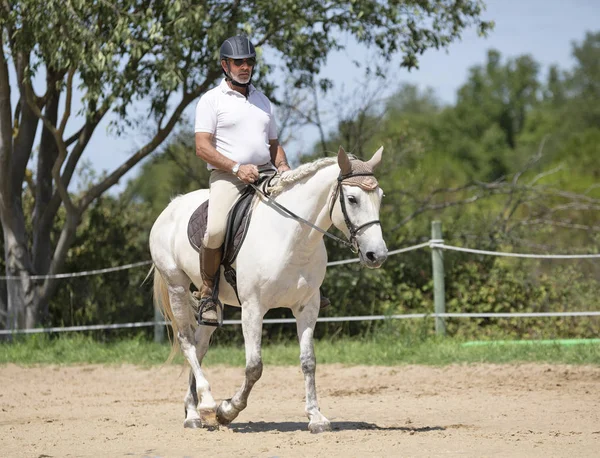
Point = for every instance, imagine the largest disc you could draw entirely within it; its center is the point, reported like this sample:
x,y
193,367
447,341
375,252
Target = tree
x,y
504,173
549,201
583,82
162,52
493,104
173,171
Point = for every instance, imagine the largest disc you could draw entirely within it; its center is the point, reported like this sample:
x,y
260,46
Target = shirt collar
x,y
226,89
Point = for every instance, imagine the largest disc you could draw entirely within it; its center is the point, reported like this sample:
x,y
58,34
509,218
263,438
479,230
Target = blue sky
x,y
543,28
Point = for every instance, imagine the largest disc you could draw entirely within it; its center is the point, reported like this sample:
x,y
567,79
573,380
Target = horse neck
x,y
310,200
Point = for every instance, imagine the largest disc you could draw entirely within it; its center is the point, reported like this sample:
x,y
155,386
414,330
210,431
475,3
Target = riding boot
x,y
325,302
210,260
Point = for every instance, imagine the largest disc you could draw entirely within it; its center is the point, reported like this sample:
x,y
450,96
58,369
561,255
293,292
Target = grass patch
x,y
79,349
381,350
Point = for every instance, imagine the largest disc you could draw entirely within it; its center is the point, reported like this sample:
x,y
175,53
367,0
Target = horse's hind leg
x,y
192,419
252,328
305,323
182,313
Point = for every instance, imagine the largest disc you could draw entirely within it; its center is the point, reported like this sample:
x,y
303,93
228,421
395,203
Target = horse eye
x,y
352,199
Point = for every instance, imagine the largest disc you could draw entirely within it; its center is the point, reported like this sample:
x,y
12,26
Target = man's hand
x,y
248,173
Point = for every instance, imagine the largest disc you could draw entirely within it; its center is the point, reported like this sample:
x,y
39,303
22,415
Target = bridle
x,y
352,228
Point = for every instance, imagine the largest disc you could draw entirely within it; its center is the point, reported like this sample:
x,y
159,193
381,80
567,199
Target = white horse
x,y
281,263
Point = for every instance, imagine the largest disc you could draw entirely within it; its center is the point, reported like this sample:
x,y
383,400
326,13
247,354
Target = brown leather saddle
x,y
238,220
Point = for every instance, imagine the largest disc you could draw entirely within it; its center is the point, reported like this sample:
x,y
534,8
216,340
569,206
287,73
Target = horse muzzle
x,y
373,259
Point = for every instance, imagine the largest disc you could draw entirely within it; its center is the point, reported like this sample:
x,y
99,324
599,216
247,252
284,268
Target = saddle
x,y
238,220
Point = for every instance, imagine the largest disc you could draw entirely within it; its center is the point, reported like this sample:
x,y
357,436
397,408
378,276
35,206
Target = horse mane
x,y
303,171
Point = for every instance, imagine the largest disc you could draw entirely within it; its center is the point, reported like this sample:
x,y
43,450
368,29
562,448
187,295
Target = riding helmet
x,y
238,47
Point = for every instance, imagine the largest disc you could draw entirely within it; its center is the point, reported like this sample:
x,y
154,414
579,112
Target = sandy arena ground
x,y
473,410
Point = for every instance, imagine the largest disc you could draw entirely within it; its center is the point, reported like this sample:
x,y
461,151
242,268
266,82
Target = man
x,y
235,134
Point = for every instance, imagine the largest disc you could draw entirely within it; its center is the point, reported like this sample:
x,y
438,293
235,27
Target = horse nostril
x,y
371,256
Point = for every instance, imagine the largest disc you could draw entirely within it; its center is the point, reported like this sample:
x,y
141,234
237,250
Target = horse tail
x,y
163,304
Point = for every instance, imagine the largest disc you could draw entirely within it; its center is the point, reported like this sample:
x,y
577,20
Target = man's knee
x,y
213,239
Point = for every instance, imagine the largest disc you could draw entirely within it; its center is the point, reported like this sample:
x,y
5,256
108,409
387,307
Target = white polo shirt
x,y
241,127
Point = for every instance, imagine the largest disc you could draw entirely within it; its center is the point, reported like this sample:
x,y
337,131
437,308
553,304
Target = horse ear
x,y
376,159
344,162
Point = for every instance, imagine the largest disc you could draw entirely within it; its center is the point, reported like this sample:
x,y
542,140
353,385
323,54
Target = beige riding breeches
x,y
225,188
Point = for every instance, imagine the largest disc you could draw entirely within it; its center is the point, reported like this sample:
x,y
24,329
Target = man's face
x,y
241,69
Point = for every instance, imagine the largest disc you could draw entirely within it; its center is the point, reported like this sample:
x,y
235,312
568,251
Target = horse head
x,y
355,209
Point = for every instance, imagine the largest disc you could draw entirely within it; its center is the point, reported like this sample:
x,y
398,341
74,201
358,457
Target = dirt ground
x,y
471,410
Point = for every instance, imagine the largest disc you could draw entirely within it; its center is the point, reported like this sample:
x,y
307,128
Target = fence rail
x,y
330,319
436,244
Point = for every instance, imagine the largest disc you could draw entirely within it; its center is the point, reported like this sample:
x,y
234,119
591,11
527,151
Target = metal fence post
x,y
437,262
159,328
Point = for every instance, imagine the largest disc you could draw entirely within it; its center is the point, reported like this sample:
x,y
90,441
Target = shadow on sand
x,y
290,426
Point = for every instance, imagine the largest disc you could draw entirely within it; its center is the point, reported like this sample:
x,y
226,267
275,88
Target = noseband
x,y
352,228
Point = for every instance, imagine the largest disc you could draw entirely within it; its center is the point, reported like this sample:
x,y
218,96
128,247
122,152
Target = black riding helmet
x,y
238,47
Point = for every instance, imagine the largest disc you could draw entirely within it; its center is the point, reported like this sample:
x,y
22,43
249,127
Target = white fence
x,y
437,246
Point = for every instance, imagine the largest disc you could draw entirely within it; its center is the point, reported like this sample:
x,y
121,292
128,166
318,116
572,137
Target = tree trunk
x,y
21,306
38,253
3,303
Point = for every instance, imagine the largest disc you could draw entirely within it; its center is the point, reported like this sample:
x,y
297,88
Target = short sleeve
x,y
206,115
272,124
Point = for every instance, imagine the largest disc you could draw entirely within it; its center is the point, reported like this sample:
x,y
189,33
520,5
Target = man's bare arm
x,y
278,157
209,154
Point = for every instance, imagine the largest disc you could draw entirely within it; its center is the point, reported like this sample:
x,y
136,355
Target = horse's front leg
x,y
306,319
252,318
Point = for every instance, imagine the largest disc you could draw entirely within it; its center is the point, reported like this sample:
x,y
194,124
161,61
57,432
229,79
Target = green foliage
x,y
113,233
584,81
521,286
138,50
174,170
112,54
437,161
473,165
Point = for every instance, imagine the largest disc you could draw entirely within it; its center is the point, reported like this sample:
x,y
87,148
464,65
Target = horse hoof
x,y
225,413
222,419
193,423
321,427
208,417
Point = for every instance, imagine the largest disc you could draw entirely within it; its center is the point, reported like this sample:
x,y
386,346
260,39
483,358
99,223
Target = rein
x,y
352,244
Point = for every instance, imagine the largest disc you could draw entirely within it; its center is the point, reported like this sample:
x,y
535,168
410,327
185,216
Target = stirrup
x,y
207,304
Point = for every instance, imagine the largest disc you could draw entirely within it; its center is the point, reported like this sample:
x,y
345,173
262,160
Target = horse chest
x,y
293,292
292,283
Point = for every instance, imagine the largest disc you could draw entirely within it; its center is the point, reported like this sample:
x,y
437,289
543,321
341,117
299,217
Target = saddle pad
x,y
197,227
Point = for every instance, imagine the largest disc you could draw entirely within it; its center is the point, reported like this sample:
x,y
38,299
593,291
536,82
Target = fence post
x,y
159,328
437,262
